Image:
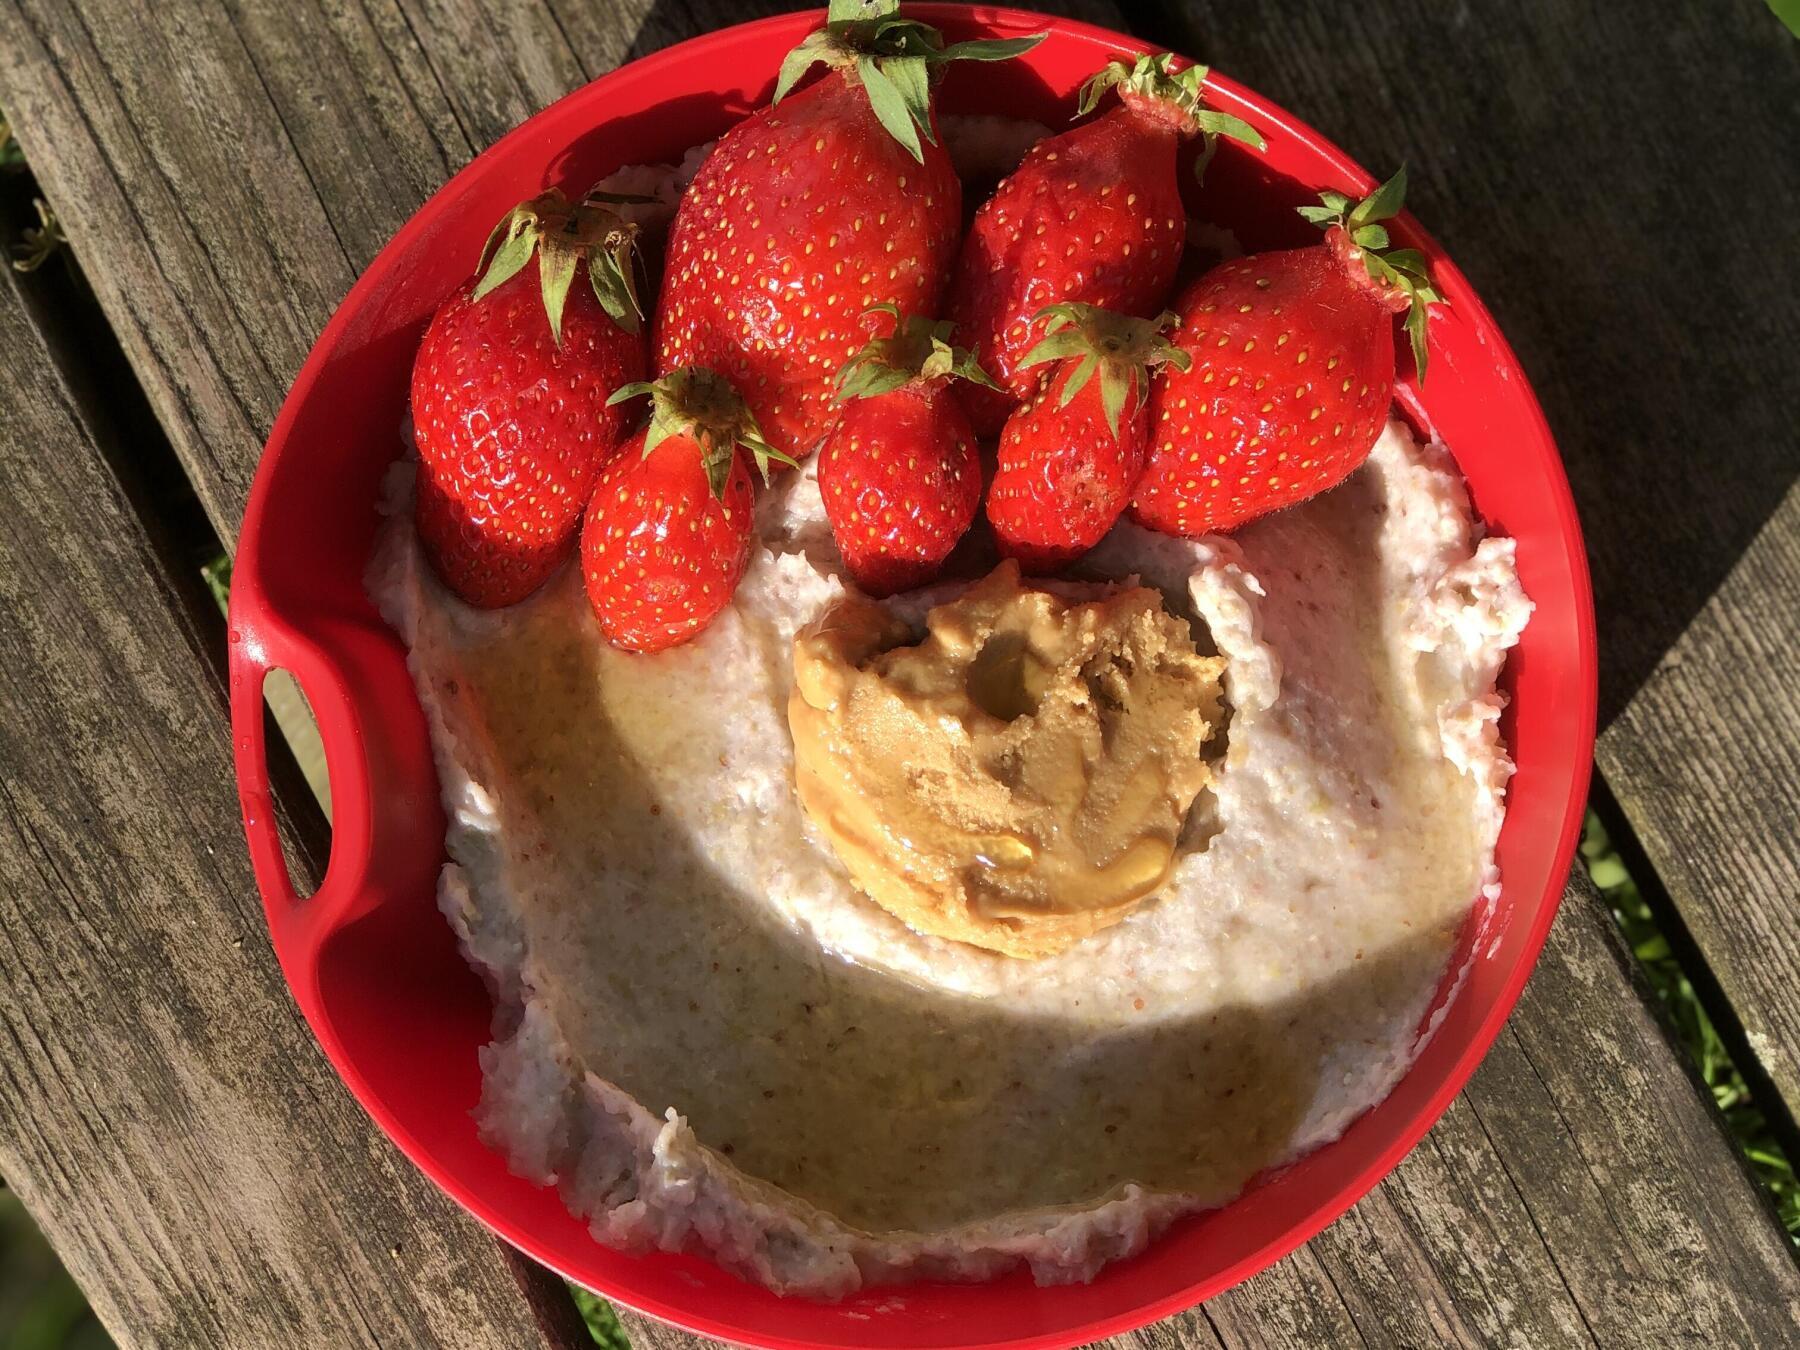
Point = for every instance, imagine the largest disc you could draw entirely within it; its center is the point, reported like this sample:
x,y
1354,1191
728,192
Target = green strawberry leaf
x,y
703,406
912,79
1154,76
614,283
1114,385
1089,97
659,430
1370,236
556,270
494,236
508,261
626,392
716,455
866,379
1415,330
1120,346
1057,346
762,454
1383,203
970,369
1216,123
816,47
890,106
1379,270
990,49
1077,380
1408,260
858,11
1320,215
1209,146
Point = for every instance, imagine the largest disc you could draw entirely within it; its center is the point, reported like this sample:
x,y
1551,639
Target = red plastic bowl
x,y
375,968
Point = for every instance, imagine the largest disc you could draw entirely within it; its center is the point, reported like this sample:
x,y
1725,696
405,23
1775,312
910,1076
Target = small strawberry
x,y
668,531
808,212
1070,457
1092,216
1292,371
509,396
899,470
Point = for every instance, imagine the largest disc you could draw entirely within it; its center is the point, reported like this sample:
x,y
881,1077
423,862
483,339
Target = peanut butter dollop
x,y
1019,779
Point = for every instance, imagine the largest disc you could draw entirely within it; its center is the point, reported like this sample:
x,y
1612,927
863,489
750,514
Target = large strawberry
x,y
668,531
899,470
808,212
509,393
1292,371
1070,457
1092,216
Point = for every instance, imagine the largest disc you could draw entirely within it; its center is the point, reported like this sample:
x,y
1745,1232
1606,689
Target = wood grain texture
x,y
164,1112
1638,254
1579,1191
1705,763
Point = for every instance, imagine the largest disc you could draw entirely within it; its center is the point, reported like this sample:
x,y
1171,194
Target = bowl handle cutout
x,y
298,923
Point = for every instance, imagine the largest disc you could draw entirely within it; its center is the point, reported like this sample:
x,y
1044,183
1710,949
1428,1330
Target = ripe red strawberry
x,y
1070,457
668,531
810,211
899,470
1292,371
1092,216
509,395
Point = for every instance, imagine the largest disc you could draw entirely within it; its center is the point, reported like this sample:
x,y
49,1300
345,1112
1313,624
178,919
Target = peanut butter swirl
x,y
1019,779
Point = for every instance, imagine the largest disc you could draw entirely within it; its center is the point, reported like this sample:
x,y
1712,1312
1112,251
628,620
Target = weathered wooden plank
x,y
1591,212
164,1111
1705,763
1441,1249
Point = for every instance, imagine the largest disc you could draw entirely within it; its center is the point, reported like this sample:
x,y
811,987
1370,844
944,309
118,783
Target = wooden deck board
x,y
1705,763
164,1111
1524,1218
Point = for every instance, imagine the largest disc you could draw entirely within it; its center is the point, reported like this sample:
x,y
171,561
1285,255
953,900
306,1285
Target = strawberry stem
x,y
894,59
1153,79
1122,349
564,236
1402,271
918,349
703,406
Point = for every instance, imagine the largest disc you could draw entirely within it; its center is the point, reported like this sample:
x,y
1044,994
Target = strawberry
x,y
808,212
1292,371
899,471
1067,460
509,396
1092,216
667,534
